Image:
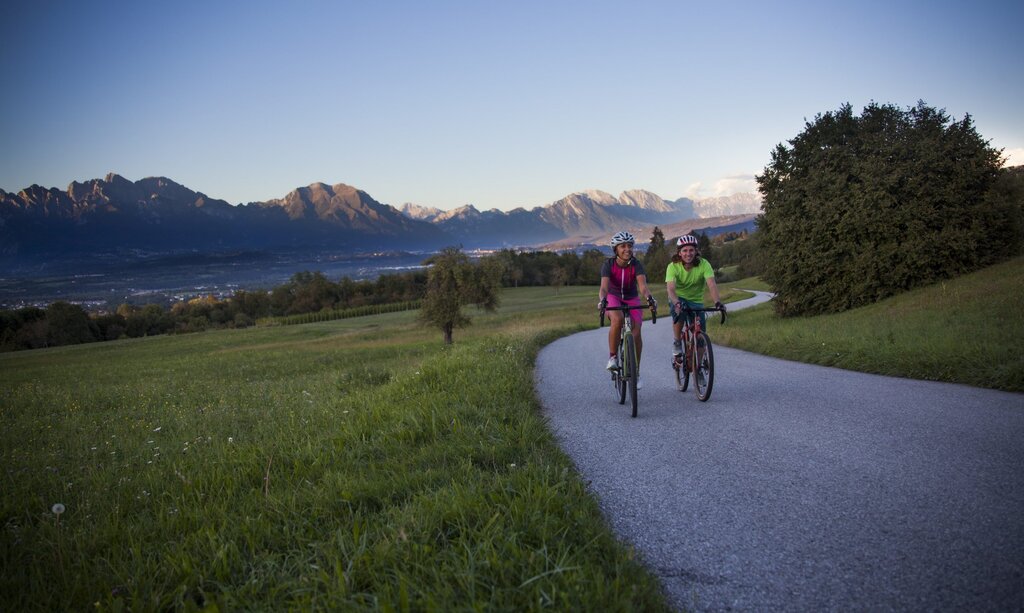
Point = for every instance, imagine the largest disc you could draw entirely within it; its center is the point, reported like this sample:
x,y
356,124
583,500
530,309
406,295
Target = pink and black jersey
x,y
622,281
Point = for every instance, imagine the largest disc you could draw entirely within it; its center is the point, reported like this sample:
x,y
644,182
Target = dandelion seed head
x,y
57,509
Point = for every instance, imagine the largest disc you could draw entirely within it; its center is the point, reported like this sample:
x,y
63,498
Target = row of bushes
x,y
333,314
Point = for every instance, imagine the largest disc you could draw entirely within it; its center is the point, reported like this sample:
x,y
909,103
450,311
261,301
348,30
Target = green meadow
x,y
965,330
359,464
356,464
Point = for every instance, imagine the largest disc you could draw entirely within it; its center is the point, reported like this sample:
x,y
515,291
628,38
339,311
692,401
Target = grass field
x,y
354,465
359,464
965,330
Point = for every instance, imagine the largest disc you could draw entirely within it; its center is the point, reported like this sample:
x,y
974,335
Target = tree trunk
x,y
447,334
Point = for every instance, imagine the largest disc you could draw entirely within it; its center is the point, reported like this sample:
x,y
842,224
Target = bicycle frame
x,y
626,374
697,358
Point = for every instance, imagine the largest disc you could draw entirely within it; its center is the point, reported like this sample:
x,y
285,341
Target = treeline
x,y
63,323
533,268
310,296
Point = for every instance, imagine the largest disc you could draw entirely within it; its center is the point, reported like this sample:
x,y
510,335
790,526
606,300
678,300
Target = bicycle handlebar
x,y
653,308
704,310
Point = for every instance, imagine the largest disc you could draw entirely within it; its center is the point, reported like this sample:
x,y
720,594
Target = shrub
x,y
860,208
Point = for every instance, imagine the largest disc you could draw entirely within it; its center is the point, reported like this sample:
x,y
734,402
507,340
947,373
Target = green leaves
x,y
860,208
453,282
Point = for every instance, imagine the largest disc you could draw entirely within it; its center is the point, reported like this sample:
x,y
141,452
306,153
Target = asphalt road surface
x,y
799,487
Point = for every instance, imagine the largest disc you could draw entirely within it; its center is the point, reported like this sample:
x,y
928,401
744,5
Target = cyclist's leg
x,y
638,321
678,317
615,329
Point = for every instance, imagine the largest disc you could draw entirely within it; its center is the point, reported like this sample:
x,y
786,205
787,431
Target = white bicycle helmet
x,y
689,239
622,237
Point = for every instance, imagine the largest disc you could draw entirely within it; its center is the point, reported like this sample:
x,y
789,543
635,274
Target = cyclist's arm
x,y
713,290
673,299
603,292
641,285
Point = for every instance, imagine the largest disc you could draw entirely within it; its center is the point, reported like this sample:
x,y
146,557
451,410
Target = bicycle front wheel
x,y
631,372
704,375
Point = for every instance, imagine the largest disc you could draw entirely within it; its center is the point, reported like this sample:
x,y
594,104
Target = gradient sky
x,y
498,104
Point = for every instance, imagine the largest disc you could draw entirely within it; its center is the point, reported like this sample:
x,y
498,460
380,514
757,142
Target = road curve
x,y
799,487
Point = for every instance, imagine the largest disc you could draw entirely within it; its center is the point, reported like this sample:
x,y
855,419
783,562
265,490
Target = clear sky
x,y
497,104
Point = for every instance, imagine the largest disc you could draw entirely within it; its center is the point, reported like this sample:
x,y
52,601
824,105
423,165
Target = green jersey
x,y
690,283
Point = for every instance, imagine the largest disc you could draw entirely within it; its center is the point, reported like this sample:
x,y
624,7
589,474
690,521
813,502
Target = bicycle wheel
x,y
631,371
704,376
620,381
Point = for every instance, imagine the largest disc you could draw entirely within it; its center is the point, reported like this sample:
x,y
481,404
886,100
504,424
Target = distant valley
x,y
101,226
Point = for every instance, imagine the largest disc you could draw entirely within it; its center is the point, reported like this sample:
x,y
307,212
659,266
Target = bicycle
x,y
626,374
698,357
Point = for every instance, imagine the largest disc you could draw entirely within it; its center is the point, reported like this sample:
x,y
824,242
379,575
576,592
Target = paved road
x,y
799,487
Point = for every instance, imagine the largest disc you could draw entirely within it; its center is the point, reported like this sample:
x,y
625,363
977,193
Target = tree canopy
x,y
858,208
453,282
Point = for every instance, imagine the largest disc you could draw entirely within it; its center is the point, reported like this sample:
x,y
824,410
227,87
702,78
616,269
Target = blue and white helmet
x,y
622,237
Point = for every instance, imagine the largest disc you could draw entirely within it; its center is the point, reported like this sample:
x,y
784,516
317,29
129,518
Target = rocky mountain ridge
x,y
578,216
158,214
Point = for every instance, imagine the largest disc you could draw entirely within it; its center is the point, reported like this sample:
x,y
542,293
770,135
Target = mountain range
x,y
156,214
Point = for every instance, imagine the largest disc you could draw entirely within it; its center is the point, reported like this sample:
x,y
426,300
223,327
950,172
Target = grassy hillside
x,y
354,464
965,330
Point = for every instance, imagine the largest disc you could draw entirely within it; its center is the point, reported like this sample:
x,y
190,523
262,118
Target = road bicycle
x,y
698,356
625,376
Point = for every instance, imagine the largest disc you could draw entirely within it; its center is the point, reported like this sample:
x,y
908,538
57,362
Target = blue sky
x,y
498,104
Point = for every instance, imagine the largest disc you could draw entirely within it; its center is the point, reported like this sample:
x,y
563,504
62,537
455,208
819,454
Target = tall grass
x,y
351,465
965,330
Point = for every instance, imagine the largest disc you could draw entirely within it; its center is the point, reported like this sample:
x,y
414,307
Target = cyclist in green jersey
x,y
685,279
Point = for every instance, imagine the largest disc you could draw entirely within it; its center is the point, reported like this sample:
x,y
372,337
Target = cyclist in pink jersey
x,y
623,281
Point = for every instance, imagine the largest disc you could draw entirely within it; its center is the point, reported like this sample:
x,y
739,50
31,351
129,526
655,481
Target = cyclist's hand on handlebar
x,y
719,305
652,302
601,305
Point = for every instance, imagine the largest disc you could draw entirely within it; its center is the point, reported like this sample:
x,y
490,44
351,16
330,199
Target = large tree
x,y
858,208
453,282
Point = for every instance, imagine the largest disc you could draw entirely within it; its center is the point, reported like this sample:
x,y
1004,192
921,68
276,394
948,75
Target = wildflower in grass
x,y
157,429
57,509
231,440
